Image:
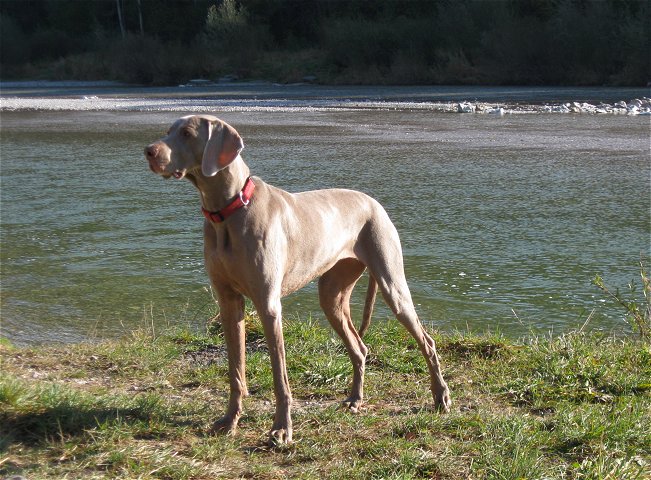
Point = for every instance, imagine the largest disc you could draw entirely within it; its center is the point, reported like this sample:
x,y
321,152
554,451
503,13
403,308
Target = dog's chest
x,y
227,259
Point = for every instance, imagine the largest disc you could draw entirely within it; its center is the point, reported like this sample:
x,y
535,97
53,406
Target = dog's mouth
x,y
178,173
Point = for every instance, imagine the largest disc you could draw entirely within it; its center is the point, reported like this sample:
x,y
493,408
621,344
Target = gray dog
x,y
265,243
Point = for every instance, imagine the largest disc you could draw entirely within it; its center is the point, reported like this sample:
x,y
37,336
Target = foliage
x,y
226,22
637,309
230,38
385,41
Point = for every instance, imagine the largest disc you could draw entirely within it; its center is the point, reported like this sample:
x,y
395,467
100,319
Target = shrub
x,y
13,42
148,60
230,40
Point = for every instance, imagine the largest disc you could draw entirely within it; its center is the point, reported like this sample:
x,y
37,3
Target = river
x,y
504,219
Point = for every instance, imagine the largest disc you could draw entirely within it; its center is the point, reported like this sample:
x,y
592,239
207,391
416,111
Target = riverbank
x,y
574,406
265,96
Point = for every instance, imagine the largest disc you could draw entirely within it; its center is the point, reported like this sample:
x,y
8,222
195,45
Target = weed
x,y
637,310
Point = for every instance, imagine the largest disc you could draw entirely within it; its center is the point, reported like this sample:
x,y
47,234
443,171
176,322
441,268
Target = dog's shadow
x,y
65,420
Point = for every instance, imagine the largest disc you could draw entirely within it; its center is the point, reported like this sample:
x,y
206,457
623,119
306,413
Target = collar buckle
x,y
245,201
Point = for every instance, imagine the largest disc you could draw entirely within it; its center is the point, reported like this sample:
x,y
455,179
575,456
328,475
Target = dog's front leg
x,y
232,319
281,431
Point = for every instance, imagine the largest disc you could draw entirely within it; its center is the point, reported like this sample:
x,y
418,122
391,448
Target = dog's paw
x,y
224,426
352,404
280,438
442,400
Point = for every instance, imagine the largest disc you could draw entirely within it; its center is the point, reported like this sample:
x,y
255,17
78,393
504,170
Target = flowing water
x,y
504,220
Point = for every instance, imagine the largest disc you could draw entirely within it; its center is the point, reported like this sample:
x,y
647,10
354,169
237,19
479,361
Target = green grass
x,y
576,406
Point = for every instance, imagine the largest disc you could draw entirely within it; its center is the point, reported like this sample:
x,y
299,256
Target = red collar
x,y
242,200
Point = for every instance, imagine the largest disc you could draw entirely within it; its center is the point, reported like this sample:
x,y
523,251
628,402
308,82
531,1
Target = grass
x,y
576,406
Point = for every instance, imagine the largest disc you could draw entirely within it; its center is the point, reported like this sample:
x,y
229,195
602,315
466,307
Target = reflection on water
x,y
503,220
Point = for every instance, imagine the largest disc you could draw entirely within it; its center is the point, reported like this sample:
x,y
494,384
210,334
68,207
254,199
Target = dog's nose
x,y
151,151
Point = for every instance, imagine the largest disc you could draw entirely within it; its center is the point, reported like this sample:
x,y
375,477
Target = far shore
x,y
260,96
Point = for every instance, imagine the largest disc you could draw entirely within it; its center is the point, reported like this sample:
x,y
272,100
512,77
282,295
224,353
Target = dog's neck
x,y
218,191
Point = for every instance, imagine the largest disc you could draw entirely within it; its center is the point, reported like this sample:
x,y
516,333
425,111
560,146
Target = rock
x,y
465,108
198,82
588,107
639,107
228,78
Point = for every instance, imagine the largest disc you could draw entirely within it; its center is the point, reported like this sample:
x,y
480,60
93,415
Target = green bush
x,y
229,40
13,42
148,60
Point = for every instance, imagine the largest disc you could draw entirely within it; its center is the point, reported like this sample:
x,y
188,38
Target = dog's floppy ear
x,y
223,146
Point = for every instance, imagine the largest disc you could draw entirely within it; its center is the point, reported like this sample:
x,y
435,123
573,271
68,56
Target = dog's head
x,y
194,144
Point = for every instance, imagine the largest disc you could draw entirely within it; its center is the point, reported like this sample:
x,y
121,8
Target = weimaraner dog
x,y
265,243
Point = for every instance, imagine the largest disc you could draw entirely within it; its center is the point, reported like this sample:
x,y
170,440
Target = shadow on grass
x,y
34,427
44,416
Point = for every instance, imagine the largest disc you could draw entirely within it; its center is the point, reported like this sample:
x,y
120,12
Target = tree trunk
x,y
121,18
142,28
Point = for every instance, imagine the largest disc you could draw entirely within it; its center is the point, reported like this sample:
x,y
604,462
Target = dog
x,y
265,243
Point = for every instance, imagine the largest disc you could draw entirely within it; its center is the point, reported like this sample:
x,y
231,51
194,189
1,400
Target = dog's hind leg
x,y
380,249
335,288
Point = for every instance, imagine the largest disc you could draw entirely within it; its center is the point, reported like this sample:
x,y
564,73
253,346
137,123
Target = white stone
x,y
465,108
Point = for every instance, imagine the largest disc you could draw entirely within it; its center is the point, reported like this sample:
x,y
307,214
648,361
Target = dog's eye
x,y
187,132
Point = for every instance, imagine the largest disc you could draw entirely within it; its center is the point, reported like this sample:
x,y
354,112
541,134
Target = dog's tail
x,y
371,293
